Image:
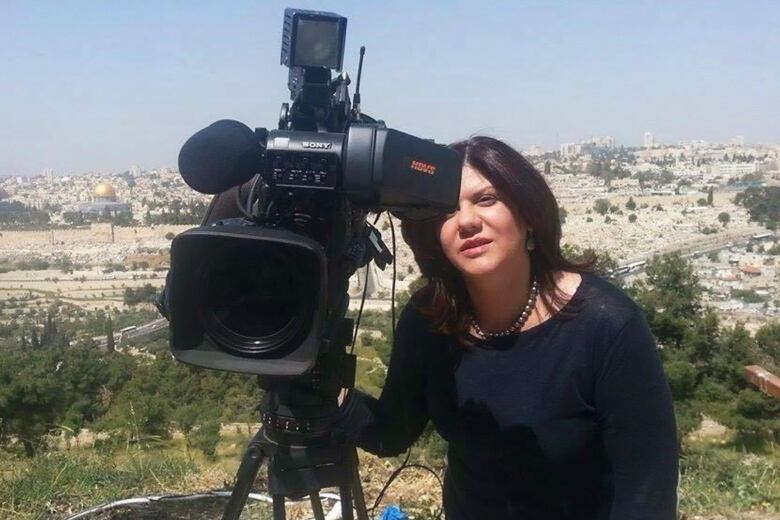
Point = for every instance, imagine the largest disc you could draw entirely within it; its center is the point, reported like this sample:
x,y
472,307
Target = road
x,y
703,245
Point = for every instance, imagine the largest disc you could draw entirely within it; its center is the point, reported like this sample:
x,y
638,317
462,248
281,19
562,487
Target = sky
x,y
100,86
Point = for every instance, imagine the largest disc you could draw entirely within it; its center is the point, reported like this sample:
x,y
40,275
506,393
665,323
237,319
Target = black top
x,y
571,419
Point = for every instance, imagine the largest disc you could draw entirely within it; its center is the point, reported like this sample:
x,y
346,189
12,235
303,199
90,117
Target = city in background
x,y
114,230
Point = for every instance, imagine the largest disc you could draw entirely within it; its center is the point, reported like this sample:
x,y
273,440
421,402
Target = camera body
x,y
265,292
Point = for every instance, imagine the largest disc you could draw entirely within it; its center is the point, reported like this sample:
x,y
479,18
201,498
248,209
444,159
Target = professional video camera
x,y
261,286
251,294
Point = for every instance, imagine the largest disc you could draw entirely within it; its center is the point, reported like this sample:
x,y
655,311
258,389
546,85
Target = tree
x,y
724,218
186,418
710,197
768,346
110,335
30,397
670,295
145,294
632,218
681,376
631,205
206,436
562,214
762,203
756,416
731,353
601,206
604,264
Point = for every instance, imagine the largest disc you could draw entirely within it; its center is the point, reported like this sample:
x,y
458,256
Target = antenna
x,y
356,97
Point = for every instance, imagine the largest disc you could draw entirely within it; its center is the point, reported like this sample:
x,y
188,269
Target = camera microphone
x,y
226,153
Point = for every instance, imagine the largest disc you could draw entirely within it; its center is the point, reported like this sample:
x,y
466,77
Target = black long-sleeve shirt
x,y
571,419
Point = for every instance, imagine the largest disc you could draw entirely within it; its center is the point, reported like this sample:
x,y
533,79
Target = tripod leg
x,y
346,503
357,488
279,513
316,506
245,477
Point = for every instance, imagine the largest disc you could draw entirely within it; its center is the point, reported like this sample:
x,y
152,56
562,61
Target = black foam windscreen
x,y
222,155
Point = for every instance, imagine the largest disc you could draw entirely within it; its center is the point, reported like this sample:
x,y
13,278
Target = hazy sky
x,y
105,85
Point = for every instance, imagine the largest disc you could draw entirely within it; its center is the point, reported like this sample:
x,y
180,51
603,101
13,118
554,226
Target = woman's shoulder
x,y
604,304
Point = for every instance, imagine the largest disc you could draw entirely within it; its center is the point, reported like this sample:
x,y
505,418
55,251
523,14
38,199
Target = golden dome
x,y
104,191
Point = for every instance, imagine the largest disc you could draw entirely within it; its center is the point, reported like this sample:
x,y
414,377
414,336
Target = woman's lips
x,y
471,251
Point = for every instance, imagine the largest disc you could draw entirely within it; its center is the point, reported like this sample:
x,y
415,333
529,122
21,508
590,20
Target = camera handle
x,y
344,475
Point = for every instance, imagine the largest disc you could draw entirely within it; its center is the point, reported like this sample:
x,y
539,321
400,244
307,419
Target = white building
x,y
534,150
604,141
649,140
733,168
571,149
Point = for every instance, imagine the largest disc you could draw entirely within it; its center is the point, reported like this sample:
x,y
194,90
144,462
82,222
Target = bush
x,y
682,378
601,206
145,294
206,437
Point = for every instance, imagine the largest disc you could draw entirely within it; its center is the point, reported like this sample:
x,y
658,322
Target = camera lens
x,y
258,298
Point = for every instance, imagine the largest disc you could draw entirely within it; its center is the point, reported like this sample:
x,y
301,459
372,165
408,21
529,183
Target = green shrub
x,y
206,437
682,378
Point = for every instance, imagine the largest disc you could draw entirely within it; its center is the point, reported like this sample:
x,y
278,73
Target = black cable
x,y
405,464
365,290
360,311
395,475
392,290
390,480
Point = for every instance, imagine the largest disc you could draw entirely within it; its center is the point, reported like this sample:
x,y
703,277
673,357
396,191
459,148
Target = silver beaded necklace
x,y
518,323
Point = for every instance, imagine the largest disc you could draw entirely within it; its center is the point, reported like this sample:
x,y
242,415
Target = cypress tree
x,y
109,335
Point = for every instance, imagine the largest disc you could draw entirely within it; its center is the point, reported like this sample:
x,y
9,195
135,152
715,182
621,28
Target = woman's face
x,y
483,236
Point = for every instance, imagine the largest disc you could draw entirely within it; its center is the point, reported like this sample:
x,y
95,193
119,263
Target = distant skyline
x,y
100,86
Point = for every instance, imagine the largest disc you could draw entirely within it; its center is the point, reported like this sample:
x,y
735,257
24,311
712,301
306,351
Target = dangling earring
x,y
530,243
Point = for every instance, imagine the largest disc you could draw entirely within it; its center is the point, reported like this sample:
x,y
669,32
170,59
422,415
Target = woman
x,y
543,379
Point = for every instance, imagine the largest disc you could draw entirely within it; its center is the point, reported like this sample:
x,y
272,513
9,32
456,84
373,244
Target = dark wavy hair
x,y
445,300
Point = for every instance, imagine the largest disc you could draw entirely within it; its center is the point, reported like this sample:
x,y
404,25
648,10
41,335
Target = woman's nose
x,y
468,220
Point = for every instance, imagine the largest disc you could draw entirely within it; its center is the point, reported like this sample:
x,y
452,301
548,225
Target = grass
x,y
726,480
57,482
715,479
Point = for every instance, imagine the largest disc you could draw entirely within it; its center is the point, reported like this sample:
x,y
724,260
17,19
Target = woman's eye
x,y
486,200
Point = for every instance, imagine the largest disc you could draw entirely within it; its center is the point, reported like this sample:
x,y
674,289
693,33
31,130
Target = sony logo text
x,y
316,145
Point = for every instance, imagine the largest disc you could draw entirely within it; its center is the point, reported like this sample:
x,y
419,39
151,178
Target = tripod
x,y
295,438
290,481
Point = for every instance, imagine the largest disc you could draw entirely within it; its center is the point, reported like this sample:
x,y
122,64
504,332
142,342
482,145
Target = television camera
x,y
260,286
